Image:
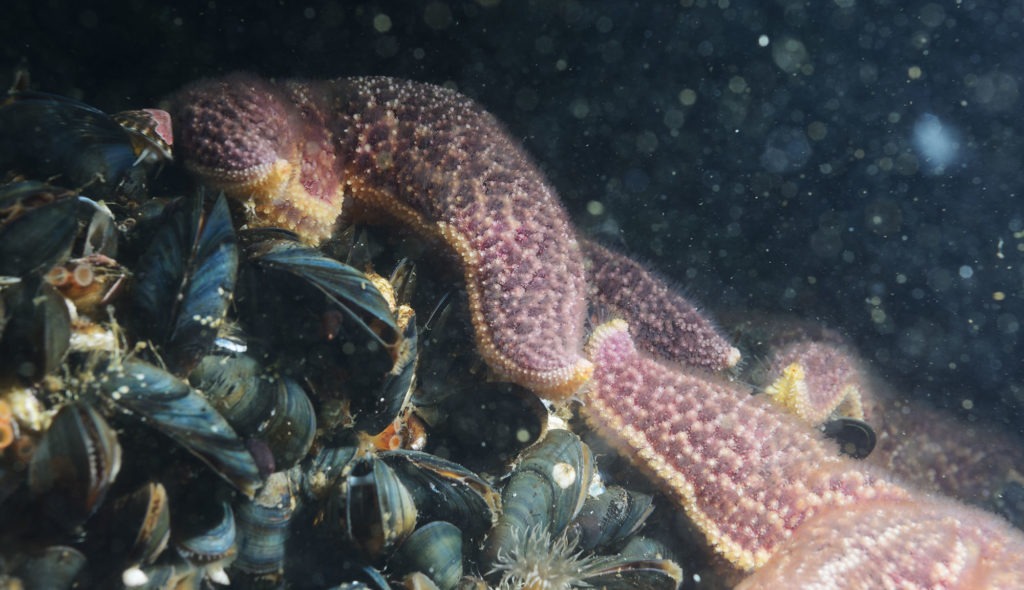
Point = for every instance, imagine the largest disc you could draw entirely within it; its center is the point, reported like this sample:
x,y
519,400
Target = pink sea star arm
x,y
661,320
298,152
757,481
747,473
920,544
975,462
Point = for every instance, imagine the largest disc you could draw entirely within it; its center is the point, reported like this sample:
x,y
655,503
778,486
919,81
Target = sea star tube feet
x,y
758,482
300,153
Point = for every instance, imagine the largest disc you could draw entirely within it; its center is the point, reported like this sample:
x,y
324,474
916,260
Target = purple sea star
x,y
772,496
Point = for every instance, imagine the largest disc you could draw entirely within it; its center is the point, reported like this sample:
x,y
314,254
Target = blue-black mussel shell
x,y
185,280
45,136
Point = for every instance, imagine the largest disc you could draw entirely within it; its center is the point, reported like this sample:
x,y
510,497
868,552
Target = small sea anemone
x,y
536,561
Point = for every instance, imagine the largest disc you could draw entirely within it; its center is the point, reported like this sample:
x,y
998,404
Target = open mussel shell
x,y
398,383
185,281
203,537
332,321
444,490
610,517
38,223
545,491
55,568
643,563
348,290
435,550
74,465
263,525
171,406
133,530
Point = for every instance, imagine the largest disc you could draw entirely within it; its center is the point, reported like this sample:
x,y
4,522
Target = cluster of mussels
x,y
184,403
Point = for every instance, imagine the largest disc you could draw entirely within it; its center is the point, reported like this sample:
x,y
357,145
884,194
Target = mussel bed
x,y
187,403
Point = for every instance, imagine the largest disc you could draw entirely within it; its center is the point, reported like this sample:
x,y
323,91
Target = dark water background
x,y
761,154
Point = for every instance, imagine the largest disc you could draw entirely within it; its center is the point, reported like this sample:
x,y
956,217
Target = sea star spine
x,y
660,320
759,483
299,153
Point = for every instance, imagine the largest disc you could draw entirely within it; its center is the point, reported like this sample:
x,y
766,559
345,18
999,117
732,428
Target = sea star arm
x,y
661,320
924,543
975,462
746,472
760,484
297,153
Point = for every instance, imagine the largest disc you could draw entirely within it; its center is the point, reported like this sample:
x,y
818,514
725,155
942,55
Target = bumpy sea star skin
x,y
245,136
974,462
924,543
660,320
760,484
816,381
977,462
297,153
747,472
